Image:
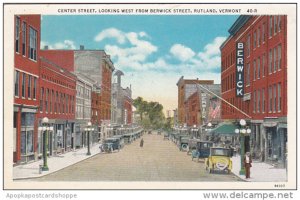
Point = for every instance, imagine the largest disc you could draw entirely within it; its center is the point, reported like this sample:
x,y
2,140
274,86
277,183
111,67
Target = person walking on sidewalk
x,y
142,142
247,164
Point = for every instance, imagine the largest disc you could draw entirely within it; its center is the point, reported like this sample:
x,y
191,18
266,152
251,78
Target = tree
x,y
151,113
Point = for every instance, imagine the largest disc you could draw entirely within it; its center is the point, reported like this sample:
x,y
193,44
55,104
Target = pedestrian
x,y
142,142
247,164
101,147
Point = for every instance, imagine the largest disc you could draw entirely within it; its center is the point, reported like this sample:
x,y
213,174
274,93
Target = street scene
x,y
123,101
157,160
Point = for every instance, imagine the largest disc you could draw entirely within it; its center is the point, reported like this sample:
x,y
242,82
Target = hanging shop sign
x,y
239,69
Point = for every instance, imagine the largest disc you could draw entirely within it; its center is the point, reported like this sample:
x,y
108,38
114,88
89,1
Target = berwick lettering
x,y
239,69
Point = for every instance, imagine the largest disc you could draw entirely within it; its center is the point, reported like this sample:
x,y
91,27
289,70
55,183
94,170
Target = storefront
x,y
276,144
24,134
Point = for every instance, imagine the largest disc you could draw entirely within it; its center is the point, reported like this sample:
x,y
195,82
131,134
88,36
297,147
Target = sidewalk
x,y
259,172
55,163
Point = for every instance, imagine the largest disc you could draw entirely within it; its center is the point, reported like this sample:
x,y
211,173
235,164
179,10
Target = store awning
x,y
224,129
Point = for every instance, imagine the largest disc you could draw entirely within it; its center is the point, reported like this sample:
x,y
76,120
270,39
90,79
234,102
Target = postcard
x,y
150,96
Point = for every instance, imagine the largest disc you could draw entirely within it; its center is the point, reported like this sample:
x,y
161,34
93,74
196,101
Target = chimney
x,y
81,47
46,47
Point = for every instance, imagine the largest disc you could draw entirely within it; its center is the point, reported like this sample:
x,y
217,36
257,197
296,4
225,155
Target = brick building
x,y
187,87
57,102
201,107
263,41
26,87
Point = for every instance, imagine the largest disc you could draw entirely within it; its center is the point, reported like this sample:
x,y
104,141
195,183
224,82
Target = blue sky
x,y
153,51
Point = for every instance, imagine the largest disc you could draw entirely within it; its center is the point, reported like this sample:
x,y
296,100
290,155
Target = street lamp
x,y
45,128
243,130
208,129
195,130
88,129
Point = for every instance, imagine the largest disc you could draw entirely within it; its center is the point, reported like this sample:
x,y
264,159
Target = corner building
x,y
26,87
264,97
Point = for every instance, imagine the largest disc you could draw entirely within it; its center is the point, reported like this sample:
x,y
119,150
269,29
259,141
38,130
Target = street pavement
x,y
260,171
157,160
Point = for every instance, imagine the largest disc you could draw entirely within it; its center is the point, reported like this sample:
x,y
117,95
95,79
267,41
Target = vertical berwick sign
x,y
239,69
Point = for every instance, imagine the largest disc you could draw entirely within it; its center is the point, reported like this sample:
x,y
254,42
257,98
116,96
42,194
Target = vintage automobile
x,y
192,145
202,149
219,159
183,143
111,144
128,138
121,140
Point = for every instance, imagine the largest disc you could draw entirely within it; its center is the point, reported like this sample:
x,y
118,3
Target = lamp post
x,y
194,131
208,128
88,129
242,132
45,128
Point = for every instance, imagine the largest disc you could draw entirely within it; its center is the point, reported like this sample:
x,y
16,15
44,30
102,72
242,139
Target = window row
x,y
21,32
83,92
25,85
58,80
274,99
260,34
57,102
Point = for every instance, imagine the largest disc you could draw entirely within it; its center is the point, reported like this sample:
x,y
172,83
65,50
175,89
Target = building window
x,y
258,101
67,103
275,59
23,84
17,34
263,101
41,99
270,26
29,87
32,43
248,45
263,64
50,101
254,40
279,97
46,99
254,69
34,87
24,38
275,25
254,101
258,68
264,32
270,61
248,74
274,98
270,99
17,82
279,57
258,37
279,23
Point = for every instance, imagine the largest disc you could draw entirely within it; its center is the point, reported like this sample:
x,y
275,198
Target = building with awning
x,y
223,133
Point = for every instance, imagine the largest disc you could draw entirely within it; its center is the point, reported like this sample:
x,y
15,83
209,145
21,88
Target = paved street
x,y
158,160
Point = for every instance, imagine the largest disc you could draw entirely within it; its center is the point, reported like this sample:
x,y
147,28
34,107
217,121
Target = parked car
x,y
192,145
111,144
121,140
183,143
219,159
202,149
128,138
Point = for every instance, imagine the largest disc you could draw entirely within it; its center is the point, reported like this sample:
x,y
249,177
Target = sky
x,y
153,51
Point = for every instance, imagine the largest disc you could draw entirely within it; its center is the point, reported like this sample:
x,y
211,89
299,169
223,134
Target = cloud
x,y
133,53
66,44
111,33
181,52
